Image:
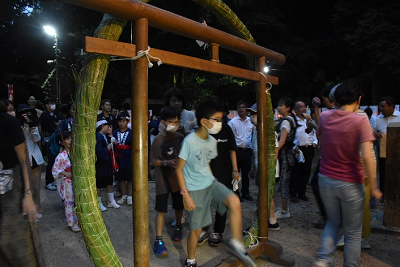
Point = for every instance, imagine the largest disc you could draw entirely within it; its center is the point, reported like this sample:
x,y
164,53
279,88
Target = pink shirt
x,y
341,134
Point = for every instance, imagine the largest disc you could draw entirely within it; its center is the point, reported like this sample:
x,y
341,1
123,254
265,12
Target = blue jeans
x,y
344,203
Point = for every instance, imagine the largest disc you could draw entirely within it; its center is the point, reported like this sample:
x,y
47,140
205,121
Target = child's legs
x,y
129,185
235,216
161,208
98,192
192,242
272,209
160,217
177,205
122,187
69,203
109,189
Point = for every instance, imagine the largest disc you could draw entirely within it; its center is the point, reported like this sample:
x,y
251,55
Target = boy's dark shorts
x,y
162,202
123,175
102,182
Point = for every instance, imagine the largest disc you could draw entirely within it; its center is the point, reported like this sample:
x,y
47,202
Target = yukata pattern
x,y
64,186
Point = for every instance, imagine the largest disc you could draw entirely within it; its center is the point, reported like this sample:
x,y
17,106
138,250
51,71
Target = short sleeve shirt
x,y
198,153
11,135
341,134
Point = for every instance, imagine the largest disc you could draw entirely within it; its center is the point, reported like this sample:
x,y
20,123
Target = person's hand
x,y
235,175
377,134
307,116
57,123
68,174
29,208
172,163
26,118
316,102
376,193
188,202
276,152
109,146
314,145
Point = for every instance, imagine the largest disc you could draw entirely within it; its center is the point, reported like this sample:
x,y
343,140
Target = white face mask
x,y
216,128
53,107
172,128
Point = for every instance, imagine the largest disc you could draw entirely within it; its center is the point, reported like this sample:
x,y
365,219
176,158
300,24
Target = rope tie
x,y
143,53
269,85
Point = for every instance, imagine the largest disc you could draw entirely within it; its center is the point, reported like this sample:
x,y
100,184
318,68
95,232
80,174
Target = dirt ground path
x,y
299,239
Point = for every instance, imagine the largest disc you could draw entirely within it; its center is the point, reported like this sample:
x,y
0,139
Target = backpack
x,y
53,145
290,138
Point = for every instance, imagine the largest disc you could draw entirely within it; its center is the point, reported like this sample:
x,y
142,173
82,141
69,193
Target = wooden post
x,y
214,52
262,139
391,215
139,149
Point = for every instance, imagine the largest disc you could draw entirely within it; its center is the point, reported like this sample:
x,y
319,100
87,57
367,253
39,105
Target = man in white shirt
x,y
242,129
388,115
306,141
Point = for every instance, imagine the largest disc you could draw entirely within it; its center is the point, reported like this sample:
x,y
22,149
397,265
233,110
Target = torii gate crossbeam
x,y
144,16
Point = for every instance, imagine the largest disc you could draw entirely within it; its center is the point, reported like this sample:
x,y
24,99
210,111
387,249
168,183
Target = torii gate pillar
x,y
140,147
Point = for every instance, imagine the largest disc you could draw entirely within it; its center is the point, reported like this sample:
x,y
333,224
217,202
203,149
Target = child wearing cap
x,y
104,168
200,189
123,156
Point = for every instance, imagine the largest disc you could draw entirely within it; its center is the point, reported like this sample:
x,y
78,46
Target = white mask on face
x,y
216,128
172,128
53,107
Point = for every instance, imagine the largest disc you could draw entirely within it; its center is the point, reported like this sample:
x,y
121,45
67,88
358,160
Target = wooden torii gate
x,y
145,15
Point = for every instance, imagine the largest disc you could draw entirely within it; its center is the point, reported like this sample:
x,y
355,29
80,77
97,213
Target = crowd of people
x,y
205,160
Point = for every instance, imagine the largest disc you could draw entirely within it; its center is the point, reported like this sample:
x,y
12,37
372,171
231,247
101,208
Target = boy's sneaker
x,y
178,233
102,208
273,227
113,204
215,239
282,214
173,224
50,187
159,249
203,237
190,264
239,252
122,200
129,201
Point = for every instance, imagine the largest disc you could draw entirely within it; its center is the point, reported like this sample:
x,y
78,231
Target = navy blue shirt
x,y
103,162
125,138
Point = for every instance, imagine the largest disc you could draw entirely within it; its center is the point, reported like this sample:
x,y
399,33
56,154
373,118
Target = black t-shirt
x,y
221,166
111,120
11,135
48,122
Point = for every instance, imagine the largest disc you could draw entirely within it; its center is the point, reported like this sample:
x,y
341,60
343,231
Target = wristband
x,y
234,171
183,192
28,192
164,163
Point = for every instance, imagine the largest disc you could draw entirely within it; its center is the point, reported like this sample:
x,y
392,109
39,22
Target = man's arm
x,y
28,205
187,200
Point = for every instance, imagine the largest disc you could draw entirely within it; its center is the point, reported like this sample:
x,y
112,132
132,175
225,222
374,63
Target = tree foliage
x,y
323,41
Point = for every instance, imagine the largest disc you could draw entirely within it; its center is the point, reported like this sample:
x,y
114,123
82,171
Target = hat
x,y
253,108
23,108
101,122
122,116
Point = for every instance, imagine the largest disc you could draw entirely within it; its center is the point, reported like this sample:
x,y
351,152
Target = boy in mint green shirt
x,y
200,189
